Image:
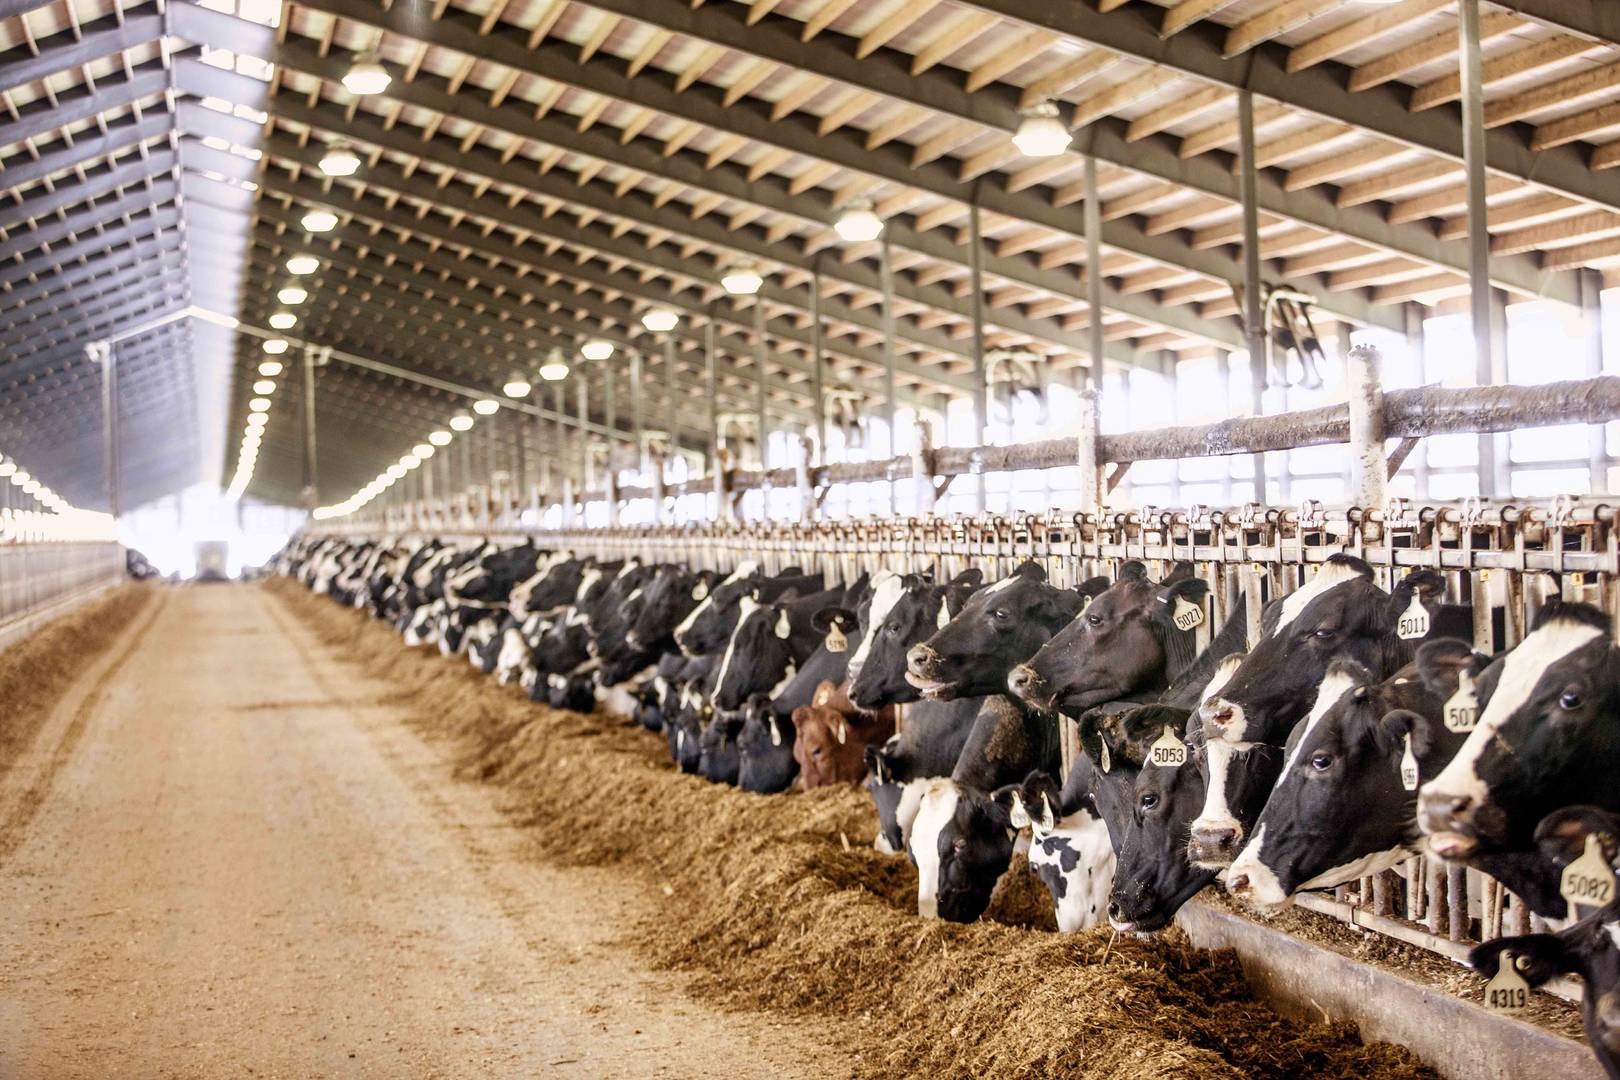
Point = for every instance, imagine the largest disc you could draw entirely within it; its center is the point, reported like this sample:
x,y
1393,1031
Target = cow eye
x,y
1321,761
1002,614
1093,619
892,628
1570,699
1149,800
1323,634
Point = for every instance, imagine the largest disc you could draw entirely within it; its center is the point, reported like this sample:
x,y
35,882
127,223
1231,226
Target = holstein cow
x,y
1123,646
1342,808
1588,950
1069,846
1547,736
671,596
708,627
1338,614
960,839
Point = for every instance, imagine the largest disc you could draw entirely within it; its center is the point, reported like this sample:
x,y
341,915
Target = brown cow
x,y
832,737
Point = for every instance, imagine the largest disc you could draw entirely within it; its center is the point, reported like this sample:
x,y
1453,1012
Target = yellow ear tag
x,y
1107,762
1462,708
1168,750
1589,880
1409,766
1414,621
1186,614
836,641
1019,814
1507,992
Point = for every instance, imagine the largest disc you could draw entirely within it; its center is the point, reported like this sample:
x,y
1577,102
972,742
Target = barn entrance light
x,y
339,160
319,220
366,75
303,264
440,438
742,280
555,369
461,422
486,406
858,222
283,320
292,295
517,385
659,320
1042,133
594,349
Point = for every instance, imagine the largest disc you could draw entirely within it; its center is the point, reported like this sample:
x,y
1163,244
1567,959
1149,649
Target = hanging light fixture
x,y
339,160
270,368
410,461
283,320
858,222
486,406
440,438
303,264
742,280
292,295
258,420
594,349
424,450
1042,134
659,320
461,422
319,220
517,385
275,346
366,75
264,387
259,405
555,369
396,472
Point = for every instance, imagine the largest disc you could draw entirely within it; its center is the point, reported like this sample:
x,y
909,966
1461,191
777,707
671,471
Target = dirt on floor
x,y
782,903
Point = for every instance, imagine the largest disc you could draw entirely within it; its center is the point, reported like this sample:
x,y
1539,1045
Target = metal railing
x,y
39,579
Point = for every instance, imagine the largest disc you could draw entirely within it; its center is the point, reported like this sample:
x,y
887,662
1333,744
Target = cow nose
x,y
1021,680
1215,843
918,656
1238,885
1439,810
1216,713
1114,910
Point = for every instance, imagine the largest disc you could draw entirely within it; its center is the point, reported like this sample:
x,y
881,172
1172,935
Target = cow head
x,y
1339,810
906,609
718,758
1123,642
1547,735
999,627
708,625
765,748
1148,810
1070,849
672,595
961,843
1340,614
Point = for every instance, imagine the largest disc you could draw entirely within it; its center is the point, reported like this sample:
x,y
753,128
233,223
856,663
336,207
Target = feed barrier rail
x,y
40,579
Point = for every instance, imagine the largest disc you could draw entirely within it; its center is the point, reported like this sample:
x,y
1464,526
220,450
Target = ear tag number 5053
x,y
1168,750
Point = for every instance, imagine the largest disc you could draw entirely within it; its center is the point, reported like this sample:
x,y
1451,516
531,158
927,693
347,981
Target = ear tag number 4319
x,y
1507,992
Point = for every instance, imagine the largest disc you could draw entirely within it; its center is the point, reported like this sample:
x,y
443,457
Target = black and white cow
x,y
1339,614
708,627
1547,736
1588,950
1069,846
673,594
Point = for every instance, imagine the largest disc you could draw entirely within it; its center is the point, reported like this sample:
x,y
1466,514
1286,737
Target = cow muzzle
x,y
1606,1021
1222,719
1214,844
922,671
1447,819
1029,687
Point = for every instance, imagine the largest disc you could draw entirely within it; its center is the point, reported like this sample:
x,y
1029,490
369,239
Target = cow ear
x,y
1008,806
825,619
1067,604
1429,586
956,598
1140,728
1133,570
1181,571
1043,799
1397,724
792,571
1536,957
1191,589
1441,662
787,596
1030,569
968,579
1092,588
1561,835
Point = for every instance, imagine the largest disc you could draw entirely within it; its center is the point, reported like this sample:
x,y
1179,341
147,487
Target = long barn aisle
x,y
227,854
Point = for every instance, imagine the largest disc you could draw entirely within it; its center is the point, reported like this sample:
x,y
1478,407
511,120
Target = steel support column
x,y
761,420
108,356
1591,282
981,392
1254,329
886,275
818,366
1094,282
1479,240
312,481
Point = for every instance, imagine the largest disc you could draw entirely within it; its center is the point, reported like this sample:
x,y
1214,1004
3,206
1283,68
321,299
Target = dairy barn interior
x,y
810,538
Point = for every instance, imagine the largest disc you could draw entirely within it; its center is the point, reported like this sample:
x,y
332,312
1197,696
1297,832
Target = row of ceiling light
x,y
413,459
19,478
